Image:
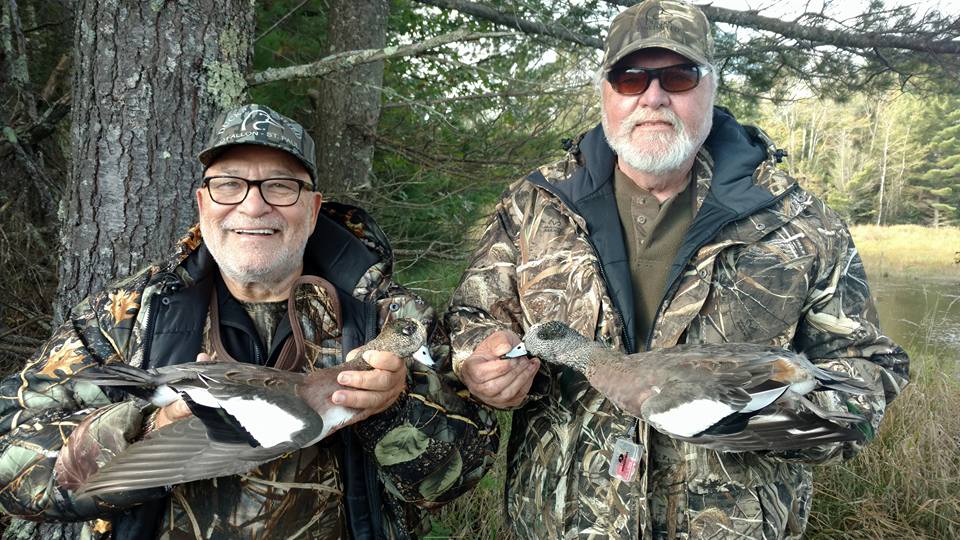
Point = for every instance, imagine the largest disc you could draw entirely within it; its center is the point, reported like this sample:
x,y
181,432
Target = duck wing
x,y
177,453
685,409
252,404
706,384
778,428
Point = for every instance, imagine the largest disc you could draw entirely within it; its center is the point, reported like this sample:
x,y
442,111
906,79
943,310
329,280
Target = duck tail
x,y
841,382
133,380
117,375
840,417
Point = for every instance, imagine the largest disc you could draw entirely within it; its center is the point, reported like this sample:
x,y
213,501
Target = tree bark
x,y
149,78
348,106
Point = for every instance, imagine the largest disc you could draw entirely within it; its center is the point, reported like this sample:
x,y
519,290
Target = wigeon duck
x,y
734,397
243,414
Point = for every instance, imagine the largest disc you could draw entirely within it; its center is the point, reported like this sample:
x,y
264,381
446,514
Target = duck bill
x,y
517,352
423,356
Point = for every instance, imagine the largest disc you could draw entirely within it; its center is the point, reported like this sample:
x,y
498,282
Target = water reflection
x,y
919,313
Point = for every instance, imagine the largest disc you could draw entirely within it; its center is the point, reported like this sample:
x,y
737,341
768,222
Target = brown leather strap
x,y
293,354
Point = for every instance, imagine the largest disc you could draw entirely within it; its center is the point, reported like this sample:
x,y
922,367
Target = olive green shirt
x,y
653,233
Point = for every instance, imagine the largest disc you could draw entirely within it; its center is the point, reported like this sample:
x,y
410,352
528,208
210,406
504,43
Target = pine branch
x,y
850,39
349,59
530,27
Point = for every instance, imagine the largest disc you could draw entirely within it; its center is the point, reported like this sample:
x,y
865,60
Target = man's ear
x,y
199,199
317,203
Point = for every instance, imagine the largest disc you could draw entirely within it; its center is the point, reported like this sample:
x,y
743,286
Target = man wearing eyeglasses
x,y
668,223
268,277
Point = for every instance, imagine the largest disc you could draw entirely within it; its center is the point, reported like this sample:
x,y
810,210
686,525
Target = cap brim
x,y
208,155
656,43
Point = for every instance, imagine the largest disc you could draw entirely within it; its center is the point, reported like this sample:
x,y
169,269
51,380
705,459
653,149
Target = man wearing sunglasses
x,y
668,223
269,276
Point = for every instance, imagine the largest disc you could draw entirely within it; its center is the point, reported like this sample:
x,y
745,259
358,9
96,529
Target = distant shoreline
x,y
909,250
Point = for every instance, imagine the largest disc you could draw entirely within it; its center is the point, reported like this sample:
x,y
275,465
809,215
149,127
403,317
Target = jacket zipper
x,y
167,286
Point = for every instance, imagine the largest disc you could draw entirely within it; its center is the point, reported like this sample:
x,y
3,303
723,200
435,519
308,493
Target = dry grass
x,y
906,483
908,249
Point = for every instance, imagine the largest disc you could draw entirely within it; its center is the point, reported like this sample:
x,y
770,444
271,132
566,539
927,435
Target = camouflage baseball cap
x,y
668,24
259,124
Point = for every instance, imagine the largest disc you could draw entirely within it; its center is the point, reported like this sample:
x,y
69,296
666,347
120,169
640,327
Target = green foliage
x,y
297,39
893,154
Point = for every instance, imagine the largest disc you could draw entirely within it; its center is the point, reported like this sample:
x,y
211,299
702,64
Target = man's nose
x,y
255,204
655,96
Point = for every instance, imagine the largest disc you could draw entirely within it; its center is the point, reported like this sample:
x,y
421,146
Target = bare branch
x,y
350,59
750,19
488,95
280,21
819,34
530,27
39,130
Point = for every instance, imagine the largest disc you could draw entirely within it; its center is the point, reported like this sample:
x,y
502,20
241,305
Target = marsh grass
x,y
905,484
908,250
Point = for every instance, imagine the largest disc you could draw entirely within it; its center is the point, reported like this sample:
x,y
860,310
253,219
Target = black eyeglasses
x,y
234,189
631,81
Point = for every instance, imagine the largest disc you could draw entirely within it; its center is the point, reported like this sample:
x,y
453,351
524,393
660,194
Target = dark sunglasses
x,y
631,81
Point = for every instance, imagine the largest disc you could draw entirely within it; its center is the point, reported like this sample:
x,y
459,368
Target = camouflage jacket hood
x,y
764,261
421,453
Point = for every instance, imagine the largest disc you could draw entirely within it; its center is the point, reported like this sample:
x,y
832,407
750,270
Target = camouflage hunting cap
x,y
259,124
668,24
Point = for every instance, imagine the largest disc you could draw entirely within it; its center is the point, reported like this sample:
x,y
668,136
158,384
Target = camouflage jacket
x,y
764,261
373,480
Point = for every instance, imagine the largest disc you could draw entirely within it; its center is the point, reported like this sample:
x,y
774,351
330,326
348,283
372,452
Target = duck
x,y
732,397
243,414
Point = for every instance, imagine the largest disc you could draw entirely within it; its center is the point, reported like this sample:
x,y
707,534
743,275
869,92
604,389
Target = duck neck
x,y
578,358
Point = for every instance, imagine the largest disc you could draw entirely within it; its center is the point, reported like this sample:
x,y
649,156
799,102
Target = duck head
x,y
557,343
403,337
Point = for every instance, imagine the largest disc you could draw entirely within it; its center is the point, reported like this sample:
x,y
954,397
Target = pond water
x,y
919,313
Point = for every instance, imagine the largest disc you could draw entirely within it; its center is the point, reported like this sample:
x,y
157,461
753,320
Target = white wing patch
x,y
269,424
202,397
689,418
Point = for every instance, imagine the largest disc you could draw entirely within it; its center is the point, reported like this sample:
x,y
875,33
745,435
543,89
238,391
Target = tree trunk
x,y
149,77
883,173
349,101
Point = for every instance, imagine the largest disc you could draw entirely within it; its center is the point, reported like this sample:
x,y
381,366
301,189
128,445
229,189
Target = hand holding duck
x,y
490,378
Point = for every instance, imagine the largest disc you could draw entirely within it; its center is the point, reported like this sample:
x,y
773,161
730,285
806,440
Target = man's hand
x,y
177,410
372,391
498,382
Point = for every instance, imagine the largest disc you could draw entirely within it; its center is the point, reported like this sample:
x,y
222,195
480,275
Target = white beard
x,y
266,268
661,153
